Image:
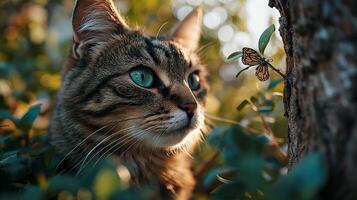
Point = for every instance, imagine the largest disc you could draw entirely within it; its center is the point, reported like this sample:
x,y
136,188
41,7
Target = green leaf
x,y
265,109
265,37
304,181
30,116
235,56
7,115
242,105
238,143
233,190
248,143
15,166
31,192
274,83
250,169
215,138
254,100
8,154
264,139
60,183
212,174
4,139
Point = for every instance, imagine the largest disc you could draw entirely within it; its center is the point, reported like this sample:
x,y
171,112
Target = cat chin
x,y
173,141
168,140
178,140
187,143
173,138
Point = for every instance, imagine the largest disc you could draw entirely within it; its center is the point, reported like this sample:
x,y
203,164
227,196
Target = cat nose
x,y
184,99
189,108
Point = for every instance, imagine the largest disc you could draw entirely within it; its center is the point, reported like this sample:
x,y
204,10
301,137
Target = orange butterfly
x,y
252,58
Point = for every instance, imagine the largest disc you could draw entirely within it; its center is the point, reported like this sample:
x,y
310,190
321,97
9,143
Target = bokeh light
x,y
37,36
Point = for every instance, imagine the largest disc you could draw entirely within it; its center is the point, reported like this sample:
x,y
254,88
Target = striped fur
x,y
101,113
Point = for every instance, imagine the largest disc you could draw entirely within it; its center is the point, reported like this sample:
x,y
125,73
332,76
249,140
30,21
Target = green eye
x,y
194,81
142,77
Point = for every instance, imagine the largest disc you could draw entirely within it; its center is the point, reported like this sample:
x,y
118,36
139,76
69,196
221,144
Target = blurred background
x,y
35,38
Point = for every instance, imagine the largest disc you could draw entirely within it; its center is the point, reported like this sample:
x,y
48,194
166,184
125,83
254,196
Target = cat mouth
x,y
180,131
183,127
186,128
173,133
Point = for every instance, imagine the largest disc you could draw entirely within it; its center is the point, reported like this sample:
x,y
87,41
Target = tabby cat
x,y
132,97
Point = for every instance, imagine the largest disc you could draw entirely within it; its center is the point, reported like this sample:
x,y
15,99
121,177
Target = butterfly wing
x,y
251,57
262,72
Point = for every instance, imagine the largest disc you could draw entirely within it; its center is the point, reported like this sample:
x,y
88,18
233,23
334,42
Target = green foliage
x,y
274,83
265,38
235,56
251,175
242,105
30,116
262,44
33,47
248,172
303,182
28,169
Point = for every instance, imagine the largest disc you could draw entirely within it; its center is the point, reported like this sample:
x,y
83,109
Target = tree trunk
x,y
320,96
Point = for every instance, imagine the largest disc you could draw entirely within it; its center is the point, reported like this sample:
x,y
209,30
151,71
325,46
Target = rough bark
x,y
320,96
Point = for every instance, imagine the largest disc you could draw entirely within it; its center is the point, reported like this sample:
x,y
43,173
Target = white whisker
x,y
96,146
161,27
212,117
80,144
124,137
137,134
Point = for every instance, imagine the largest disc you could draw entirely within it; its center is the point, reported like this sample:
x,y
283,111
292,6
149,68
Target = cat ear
x,y
93,22
188,31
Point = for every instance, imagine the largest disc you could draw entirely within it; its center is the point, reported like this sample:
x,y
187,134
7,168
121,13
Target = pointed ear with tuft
x,y
188,31
93,22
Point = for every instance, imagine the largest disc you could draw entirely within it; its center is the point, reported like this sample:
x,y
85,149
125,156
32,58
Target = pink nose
x,y
189,108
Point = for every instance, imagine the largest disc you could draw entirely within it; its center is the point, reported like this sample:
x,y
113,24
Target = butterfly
x,y
252,58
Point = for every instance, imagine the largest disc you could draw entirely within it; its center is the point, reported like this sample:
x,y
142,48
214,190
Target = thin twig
x,y
212,117
273,147
206,165
222,119
277,71
243,70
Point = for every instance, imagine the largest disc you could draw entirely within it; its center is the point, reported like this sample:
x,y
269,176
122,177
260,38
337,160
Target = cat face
x,y
131,88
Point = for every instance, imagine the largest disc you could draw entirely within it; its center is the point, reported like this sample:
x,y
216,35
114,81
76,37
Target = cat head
x,y
124,85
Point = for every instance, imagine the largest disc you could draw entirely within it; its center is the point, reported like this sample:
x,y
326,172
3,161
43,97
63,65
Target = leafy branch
x,y
252,58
